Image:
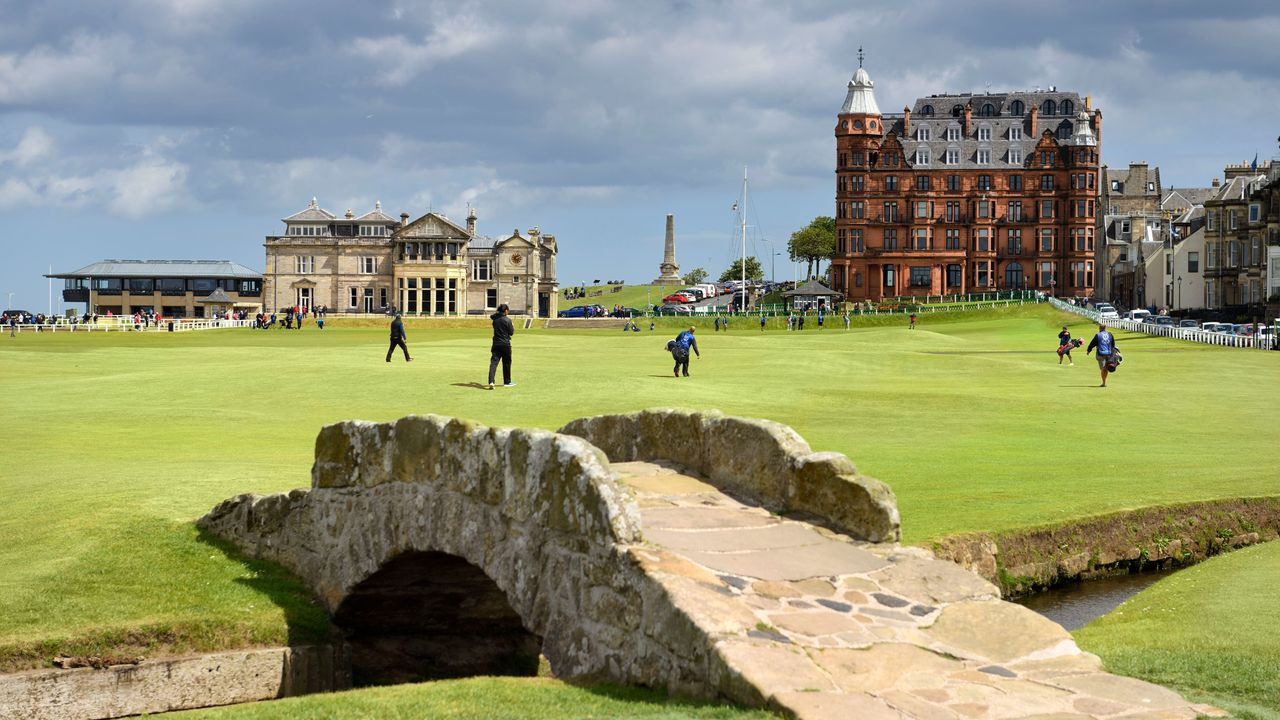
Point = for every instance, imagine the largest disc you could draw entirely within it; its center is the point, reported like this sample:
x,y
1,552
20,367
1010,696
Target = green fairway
x,y
482,699
114,443
1211,631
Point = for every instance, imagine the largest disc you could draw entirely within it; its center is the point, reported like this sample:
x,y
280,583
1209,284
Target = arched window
x,y
1049,108
957,111
1068,108
1016,108
1013,278
987,110
927,110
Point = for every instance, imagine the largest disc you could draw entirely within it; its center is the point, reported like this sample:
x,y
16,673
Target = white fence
x,y
1191,334
121,324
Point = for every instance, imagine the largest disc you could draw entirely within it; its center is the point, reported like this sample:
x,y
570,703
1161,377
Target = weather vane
x,y
859,56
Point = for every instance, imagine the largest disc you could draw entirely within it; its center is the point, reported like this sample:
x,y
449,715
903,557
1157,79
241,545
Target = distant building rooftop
x,y
161,268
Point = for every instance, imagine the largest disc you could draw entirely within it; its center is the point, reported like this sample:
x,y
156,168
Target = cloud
x,y
35,144
402,59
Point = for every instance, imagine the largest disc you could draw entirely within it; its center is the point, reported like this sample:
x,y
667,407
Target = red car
x,y
677,298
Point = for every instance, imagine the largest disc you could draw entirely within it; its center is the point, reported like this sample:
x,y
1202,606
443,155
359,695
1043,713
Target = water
x,y
1075,605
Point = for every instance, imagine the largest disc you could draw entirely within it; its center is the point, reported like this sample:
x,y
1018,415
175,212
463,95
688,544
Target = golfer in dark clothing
x,y
397,339
501,348
680,348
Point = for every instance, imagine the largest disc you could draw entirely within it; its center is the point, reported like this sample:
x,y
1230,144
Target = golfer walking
x,y
397,339
500,350
1106,345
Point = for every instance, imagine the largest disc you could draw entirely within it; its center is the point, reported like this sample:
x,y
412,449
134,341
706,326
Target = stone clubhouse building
x,y
373,263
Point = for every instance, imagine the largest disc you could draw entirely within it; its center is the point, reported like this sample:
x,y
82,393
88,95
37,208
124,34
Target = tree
x,y
754,271
814,243
695,276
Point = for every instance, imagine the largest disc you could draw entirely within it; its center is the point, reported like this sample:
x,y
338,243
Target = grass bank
x,y
114,443
1210,631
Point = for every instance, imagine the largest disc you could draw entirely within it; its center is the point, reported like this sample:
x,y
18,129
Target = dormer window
x,y
922,156
927,110
1017,108
1049,107
984,133
922,134
987,110
1067,108
953,133
953,156
1015,133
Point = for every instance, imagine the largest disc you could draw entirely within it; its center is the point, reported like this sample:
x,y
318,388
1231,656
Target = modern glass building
x,y
173,288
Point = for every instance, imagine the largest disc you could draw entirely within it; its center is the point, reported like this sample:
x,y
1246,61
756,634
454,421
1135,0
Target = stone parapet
x,y
764,461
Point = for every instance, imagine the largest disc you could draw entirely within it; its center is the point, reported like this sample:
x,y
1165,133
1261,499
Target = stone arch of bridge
x,y
429,615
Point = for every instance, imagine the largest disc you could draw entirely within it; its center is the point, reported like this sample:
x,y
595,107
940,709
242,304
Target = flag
x,y
1254,166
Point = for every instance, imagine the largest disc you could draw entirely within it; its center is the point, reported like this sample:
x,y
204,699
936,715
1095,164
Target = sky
x,y
186,129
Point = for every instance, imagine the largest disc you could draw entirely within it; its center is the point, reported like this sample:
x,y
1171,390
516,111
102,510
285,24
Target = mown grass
x,y
1210,631
482,699
113,444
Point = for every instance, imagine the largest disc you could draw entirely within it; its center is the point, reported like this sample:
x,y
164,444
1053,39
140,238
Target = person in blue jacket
x,y
680,348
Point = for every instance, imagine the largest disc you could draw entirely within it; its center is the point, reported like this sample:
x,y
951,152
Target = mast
x,y
744,240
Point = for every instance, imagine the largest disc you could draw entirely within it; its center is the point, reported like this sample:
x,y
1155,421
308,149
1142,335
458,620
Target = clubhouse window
x,y
888,276
304,264
920,276
953,276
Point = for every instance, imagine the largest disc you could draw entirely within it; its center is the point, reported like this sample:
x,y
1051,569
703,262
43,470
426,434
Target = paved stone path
x,y
826,627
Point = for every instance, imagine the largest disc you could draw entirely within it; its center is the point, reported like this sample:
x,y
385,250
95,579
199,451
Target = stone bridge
x,y
708,555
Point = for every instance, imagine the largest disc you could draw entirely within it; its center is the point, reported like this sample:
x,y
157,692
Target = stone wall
x,y
539,513
760,460
1032,559
172,684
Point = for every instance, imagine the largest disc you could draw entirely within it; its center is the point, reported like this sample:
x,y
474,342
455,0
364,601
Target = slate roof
x,y
377,216
162,268
313,213
1237,188
998,113
812,287
1187,197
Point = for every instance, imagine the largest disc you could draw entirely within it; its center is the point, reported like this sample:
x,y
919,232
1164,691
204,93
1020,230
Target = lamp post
x,y
9,305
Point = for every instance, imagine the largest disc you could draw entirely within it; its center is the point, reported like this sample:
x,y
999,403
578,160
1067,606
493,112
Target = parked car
x,y
677,297
627,312
1189,324
1149,320
1165,321
695,292
673,310
1137,315
578,311
1107,312
1209,326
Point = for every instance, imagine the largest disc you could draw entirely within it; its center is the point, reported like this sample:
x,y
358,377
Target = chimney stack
x,y
404,219
906,121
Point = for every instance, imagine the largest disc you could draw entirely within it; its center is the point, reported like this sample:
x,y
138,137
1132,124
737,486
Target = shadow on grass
x,y
656,698
472,385
306,619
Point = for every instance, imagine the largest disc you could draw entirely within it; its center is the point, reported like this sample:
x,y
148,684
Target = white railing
x,y
1179,333
121,325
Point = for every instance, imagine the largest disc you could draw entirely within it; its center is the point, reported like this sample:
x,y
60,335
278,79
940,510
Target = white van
x,y
1138,315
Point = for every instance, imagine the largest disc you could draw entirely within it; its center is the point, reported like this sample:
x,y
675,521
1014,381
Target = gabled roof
x,y
512,237
313,213
432,225
216,297
1189,197
376,215
161,268
812,287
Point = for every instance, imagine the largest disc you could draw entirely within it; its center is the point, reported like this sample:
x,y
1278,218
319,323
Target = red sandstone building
x,y
966,193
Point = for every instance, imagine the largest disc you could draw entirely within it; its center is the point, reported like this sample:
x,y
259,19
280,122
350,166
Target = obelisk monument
x,y
669,271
